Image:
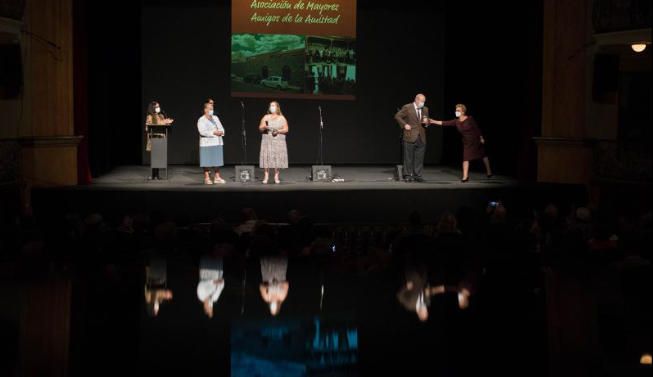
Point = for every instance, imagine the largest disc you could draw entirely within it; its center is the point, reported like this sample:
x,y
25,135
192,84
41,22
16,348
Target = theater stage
x,y
368,194
293,179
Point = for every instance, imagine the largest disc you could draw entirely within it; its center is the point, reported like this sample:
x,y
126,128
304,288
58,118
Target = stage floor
x,y
368,194
294,179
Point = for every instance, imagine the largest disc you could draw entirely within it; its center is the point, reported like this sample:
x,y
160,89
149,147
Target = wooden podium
x,y
158,134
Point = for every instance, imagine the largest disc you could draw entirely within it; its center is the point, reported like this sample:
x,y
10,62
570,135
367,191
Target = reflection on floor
x,y
337,318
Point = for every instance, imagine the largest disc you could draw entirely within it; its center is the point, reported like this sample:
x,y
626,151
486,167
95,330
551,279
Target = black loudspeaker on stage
x,y
321,173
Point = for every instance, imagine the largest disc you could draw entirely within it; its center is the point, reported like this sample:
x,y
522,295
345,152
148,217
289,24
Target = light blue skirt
x,y
211,157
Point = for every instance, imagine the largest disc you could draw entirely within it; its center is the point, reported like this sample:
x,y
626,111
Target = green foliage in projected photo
x,y
292,66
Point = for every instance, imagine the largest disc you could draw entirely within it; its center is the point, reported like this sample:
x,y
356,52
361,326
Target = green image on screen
x,y
290,66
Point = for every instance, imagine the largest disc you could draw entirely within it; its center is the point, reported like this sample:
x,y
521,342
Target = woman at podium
x,y
155,117
274,153
211,154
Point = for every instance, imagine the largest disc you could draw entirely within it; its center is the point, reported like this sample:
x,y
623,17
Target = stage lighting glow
x,y
645,359
638,47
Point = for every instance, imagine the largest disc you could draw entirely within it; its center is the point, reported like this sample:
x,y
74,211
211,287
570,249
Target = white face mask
x,y
273,109
420,105
458,114
157,110
210,112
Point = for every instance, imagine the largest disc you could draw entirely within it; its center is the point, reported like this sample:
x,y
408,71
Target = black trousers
x,y
414,158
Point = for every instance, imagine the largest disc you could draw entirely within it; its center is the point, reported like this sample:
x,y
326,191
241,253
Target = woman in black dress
x,y
473,141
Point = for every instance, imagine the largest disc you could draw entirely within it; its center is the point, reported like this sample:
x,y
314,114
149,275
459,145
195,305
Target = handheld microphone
x,y
242,104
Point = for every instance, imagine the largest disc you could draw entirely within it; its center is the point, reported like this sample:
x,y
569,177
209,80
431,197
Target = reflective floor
x,y
411,303
274,316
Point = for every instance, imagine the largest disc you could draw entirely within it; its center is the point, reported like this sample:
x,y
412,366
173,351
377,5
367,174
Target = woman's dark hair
x,y
151,112
151,107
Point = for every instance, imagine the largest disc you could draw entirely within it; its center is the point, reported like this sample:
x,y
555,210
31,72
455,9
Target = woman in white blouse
x,y
211,144
211,283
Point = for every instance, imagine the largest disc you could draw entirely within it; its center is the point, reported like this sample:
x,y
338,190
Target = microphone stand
x,y
243,290
401,144
321,290
321,137
243,133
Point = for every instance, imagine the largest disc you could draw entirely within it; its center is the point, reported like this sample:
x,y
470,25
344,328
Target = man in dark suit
x,y
413,118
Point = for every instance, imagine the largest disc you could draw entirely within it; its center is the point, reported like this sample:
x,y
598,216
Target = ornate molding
x,y
623,37
10,26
